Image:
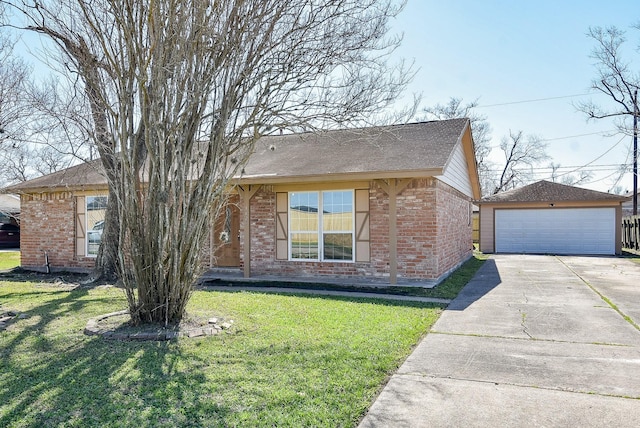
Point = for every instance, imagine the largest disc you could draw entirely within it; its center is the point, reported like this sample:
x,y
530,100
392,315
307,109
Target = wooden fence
x,y
475,228
631,232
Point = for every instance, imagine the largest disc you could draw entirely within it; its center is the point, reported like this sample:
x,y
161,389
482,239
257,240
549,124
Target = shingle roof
x,y
393,149
387,152
546,191
84,176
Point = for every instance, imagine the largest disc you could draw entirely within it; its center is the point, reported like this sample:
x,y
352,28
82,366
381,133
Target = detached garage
x,y
551,218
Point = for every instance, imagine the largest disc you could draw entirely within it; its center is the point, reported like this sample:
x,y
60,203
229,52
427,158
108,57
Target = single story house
x,y
392,203
551,218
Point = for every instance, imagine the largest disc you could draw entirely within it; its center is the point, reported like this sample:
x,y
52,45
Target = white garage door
x,y
556,231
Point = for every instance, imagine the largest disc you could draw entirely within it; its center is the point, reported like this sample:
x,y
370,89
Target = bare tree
x,y
521,154
59,125
14,74
480,127
180,91
615,77
572,178
620,83
28,146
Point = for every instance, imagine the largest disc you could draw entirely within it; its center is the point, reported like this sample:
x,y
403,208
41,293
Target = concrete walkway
x,y
320,292
235,275
536,341
222,279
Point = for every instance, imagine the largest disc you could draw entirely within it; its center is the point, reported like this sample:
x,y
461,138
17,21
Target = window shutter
x,y
363,248
81,208
282,226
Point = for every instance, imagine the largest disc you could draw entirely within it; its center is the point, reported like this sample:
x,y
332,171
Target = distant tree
x,y
30,145
14,74
179,92
618,190
480,128
521,154
617,80
570,178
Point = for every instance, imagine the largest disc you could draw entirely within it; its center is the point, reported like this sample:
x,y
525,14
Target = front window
x,y
96,208
303,225
321,225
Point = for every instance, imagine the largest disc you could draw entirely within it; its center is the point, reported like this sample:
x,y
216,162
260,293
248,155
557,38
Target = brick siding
x,y
47,223
434,234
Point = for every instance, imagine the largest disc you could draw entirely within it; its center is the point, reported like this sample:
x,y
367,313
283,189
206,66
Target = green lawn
x,y
9,259
291,361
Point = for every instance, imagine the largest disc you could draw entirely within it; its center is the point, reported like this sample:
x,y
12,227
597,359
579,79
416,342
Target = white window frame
x,y
320,231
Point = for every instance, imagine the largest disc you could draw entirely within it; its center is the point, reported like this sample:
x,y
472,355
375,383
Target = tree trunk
x,y
107,260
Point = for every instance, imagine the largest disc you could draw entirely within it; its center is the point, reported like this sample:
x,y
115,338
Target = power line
x,y
542,169
582,167
602,133
599,157
532,100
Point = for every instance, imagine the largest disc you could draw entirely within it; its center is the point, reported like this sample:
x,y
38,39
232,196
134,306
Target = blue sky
x,y
507,52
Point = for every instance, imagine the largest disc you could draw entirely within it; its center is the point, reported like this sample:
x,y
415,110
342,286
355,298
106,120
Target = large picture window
x,y
321,225
96,208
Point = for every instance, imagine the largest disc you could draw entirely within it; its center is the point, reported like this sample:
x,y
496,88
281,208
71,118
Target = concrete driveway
x,y
530,341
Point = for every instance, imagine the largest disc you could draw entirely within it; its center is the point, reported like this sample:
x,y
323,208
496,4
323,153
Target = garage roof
x,y
547,191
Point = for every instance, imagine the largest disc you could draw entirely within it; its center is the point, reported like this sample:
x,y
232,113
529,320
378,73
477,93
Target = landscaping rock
x,y
191,329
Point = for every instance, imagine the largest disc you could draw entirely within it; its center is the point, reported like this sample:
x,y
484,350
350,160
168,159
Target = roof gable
x,y
546,191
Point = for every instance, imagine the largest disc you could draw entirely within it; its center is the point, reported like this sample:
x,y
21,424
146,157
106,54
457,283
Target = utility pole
x,y
635,153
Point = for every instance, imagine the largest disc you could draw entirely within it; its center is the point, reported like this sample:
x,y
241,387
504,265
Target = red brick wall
x,y
455,228
417,230
434,235
48,224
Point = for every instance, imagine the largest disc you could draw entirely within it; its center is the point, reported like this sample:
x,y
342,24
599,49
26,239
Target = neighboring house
x,y
384,202
551,218
9,209
627,206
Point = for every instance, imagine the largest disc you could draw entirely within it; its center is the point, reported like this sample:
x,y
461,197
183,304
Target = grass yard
x,y
9,259
290,361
